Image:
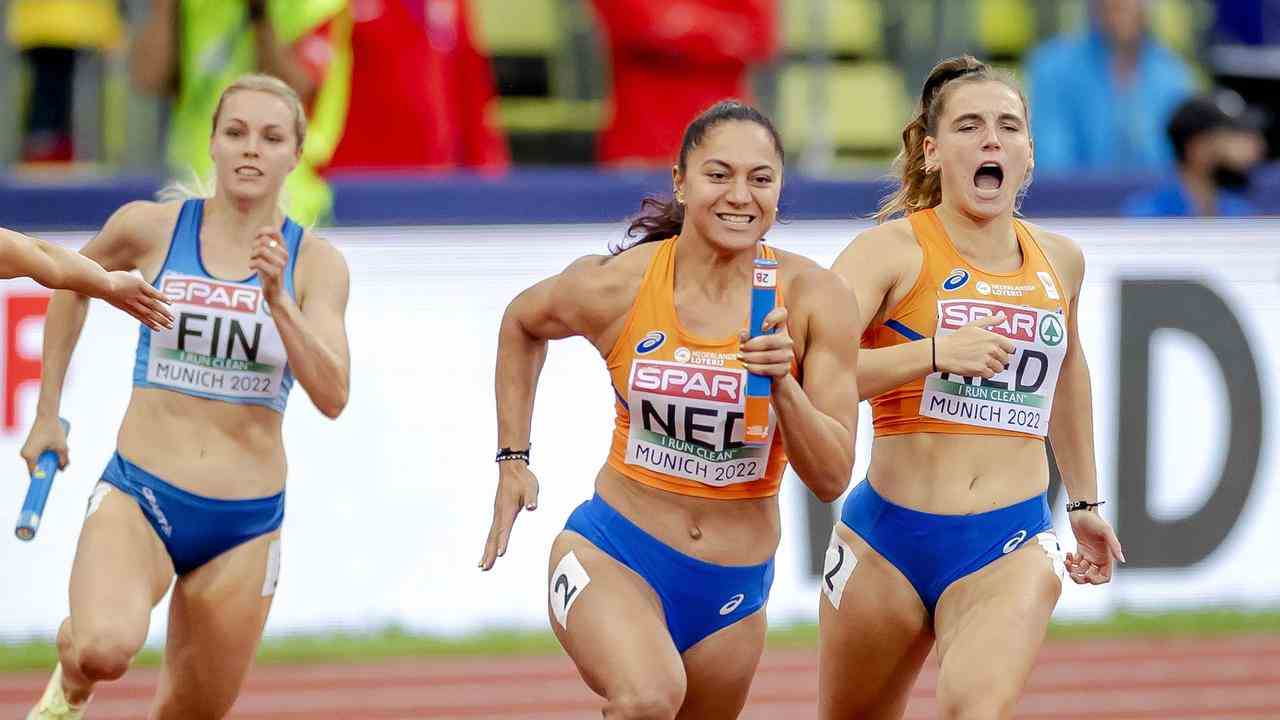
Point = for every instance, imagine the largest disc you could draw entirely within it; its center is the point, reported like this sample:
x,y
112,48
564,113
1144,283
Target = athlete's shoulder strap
x,y
293,234
184,246
647,300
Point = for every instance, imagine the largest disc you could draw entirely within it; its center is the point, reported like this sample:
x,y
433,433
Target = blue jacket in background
x,y
1172,200
1081,119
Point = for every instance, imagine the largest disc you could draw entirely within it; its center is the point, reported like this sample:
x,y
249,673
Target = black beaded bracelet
x,y
1083,505
508,454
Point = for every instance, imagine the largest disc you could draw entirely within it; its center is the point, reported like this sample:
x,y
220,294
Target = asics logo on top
x,y
956,279
650,342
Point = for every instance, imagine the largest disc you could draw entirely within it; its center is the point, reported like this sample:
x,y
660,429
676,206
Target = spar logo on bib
x,y
956,279
1020,396
187,290
687,421
723,386
1019,324
650,342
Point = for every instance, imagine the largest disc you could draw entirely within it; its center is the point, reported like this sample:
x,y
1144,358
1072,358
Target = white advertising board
x,y
388,506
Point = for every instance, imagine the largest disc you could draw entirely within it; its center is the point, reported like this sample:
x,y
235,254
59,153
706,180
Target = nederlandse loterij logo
x,y
1051,330
956,279
652,341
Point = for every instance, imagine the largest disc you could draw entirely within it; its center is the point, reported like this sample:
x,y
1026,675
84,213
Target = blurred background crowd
x,y
1184,92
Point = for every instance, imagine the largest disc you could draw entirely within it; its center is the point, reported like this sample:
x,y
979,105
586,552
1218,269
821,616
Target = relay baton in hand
x,y
38,492
764,293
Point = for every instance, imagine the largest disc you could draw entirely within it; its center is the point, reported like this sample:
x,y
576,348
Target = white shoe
x,y
53,704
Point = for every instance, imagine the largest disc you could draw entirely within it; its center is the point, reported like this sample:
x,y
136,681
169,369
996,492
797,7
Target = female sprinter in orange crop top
x,y
658,584
970,357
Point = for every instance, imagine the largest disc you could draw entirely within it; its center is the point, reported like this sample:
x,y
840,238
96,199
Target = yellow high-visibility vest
x,y
63,24
217,46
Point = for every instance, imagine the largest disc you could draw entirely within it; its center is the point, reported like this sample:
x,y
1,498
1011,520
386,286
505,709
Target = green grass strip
x,y
398,643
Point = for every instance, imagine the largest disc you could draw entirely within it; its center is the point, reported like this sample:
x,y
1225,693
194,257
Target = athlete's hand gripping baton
x,y
38,491
764,294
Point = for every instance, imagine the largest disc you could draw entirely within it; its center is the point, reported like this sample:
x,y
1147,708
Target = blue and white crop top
x,y
223,345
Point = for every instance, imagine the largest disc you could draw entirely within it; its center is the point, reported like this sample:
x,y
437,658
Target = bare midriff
x,y
208,447
724,532
958,474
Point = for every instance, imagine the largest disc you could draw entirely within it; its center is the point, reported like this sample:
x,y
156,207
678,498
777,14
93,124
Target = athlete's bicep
x,y
127,238
863,268
1075,351
1068,262
830,362
539,311
581,300
324,287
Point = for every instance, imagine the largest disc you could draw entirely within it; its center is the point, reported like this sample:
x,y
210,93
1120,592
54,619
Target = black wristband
x,y
506,454
1083,505
933,351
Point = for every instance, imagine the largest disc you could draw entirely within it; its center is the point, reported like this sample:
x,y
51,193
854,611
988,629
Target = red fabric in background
x,y
420,93
672,59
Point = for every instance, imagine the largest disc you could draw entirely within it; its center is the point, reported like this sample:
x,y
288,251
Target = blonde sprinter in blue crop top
x,y
196,488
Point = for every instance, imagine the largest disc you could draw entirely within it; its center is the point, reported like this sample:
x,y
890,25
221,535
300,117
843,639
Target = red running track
x,y
1174,679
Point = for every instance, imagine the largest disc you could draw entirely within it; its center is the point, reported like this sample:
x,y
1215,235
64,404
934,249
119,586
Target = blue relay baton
x,y
764,294
38,491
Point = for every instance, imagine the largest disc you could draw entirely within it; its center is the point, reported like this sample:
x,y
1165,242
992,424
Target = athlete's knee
x,y
976,703
656,702
181,697
170,706
104,656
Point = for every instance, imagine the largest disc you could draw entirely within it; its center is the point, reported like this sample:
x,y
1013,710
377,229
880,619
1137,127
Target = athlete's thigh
x,y
719,669
614,628
216,618
121,571
990,626
872,646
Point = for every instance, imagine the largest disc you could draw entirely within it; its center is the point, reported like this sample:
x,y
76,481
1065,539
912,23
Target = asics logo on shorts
x,y
1015,541
155,509
733,604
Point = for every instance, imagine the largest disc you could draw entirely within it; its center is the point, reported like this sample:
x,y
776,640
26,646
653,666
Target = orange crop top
x,y
686,395
950,293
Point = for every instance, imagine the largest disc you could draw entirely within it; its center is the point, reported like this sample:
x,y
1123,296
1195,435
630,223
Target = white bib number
x,y
223,341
